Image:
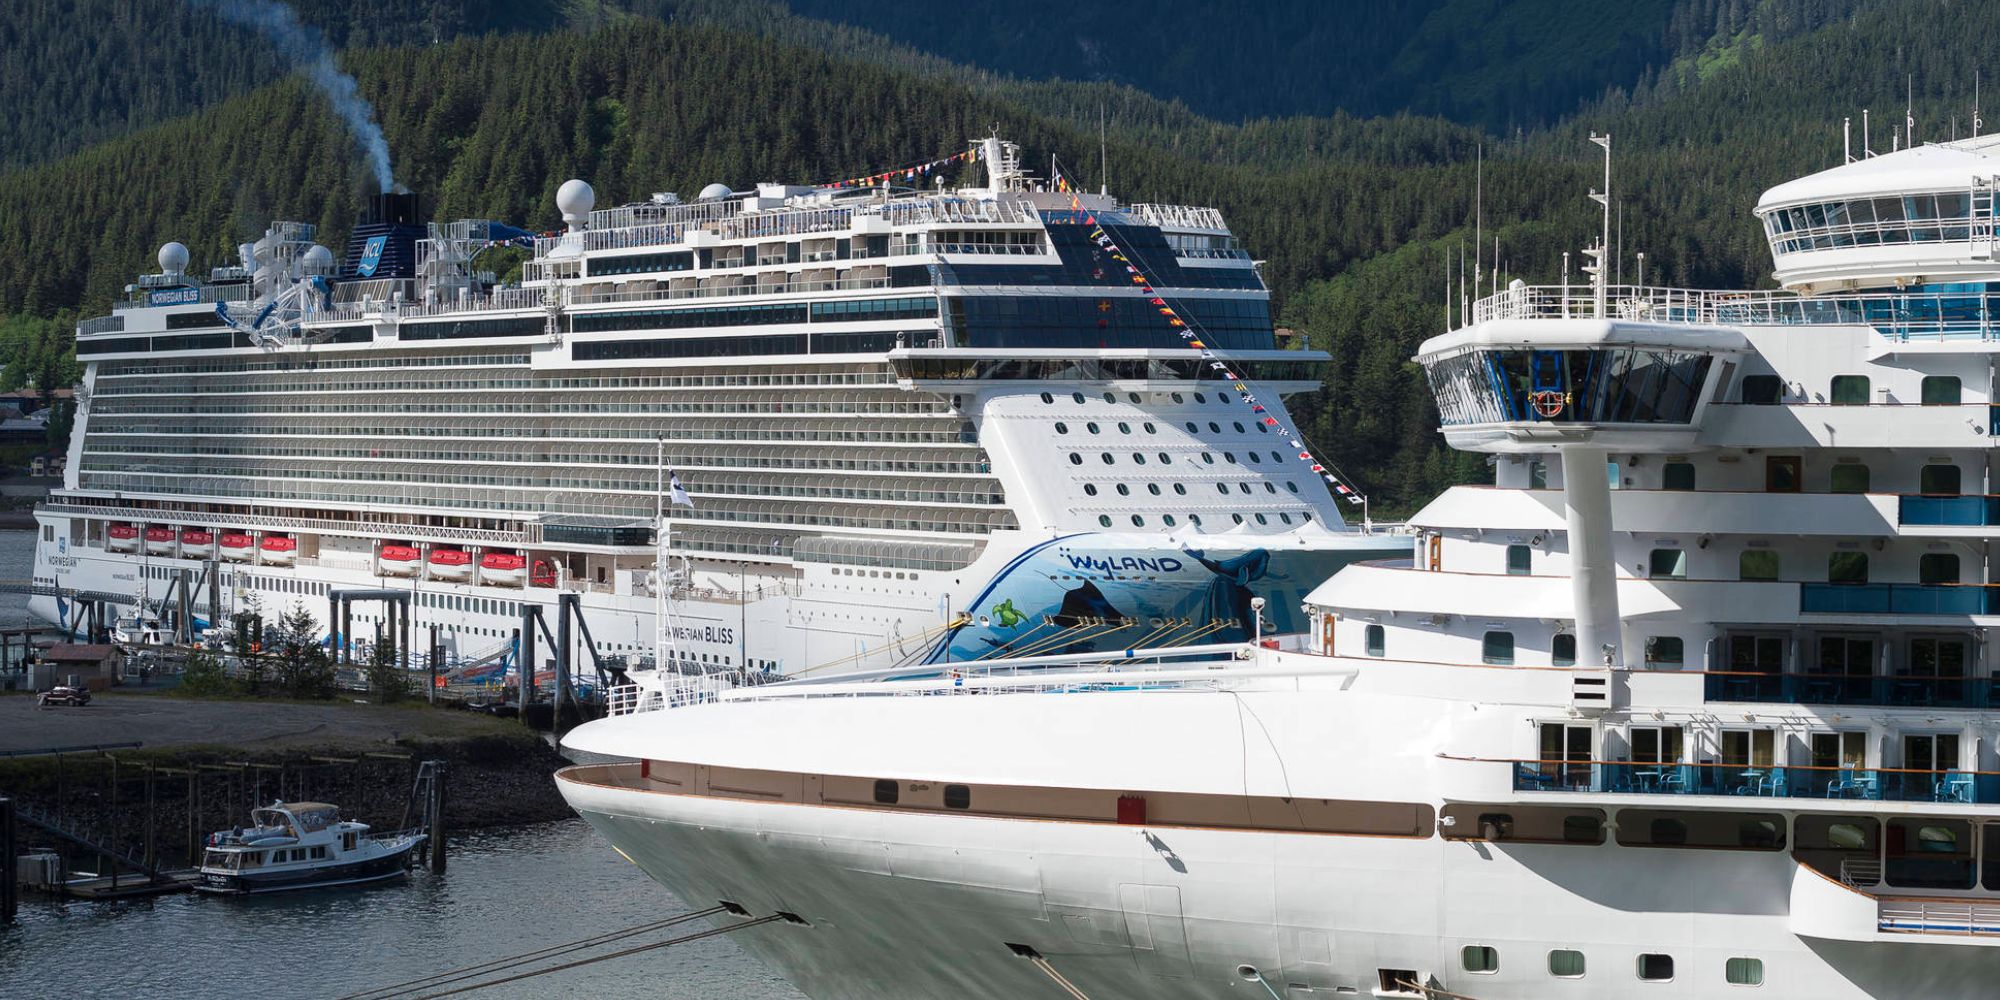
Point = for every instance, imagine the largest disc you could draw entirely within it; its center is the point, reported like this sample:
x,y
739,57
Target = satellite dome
x,y
173,258
316,260
575,199
714,191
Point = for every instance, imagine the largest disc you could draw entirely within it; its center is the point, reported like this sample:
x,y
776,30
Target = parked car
x,y
61,695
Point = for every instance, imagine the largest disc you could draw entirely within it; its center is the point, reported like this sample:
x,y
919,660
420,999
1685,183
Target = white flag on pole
x,y
676,493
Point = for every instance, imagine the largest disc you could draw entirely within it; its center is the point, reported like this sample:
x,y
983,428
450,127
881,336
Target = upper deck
x,y
1963,317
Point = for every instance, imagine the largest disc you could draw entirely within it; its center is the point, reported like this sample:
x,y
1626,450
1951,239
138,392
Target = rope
x,y
510,961
923,637
1050,971
683,939
1023,637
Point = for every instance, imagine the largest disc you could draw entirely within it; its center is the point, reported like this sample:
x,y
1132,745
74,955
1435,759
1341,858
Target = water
x,y
507,891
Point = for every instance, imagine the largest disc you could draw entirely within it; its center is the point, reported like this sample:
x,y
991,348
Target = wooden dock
x,y
127,886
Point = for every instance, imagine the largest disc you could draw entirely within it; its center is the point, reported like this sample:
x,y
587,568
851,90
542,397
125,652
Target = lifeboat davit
x,y
397,559
197,543
236,546
502,569
122,538
160,541
450,564
278,550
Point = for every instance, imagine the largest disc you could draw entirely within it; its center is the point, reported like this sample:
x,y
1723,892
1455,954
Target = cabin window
x,y
1538,474
1479,958
1497,648
1781,473
1583,829
1849,390
1762,390
1938,480
1375,638
957,797
1937,568
1940,390
1656,968
1938,657
1655,744
1847,567
1677,476
1668,564
1744,972
1664,650
1752,748
1929,854
1839,749
1519,560
1930,751
887,791
1562,650
1565,963
1757,564
1848,477
1991,878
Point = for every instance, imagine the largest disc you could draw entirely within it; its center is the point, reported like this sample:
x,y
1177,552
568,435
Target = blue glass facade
x,y
1609,385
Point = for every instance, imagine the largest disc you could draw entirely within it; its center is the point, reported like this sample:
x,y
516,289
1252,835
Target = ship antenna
x,y
1975,104
1847,140
1867,146
1478,213
1103,155
1603,198
1910,111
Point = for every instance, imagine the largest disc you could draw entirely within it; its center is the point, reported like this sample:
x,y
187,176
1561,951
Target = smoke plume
x,y
305,47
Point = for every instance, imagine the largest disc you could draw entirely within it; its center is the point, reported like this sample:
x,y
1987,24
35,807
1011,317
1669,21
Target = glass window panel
x,y
1562,650
1937,568
1519,560
1376,638
1677,476
1497,648
1762,390
1671,563
1757,564
1847,567
1849,390
1848,477
1942,480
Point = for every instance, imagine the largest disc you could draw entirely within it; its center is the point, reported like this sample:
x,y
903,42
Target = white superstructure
x,y
916,424
1697,700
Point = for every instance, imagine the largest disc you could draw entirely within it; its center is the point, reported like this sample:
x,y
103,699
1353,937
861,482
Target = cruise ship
x,y
1695,700
911,423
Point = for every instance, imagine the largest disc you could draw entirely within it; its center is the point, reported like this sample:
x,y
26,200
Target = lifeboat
x,y
197,543
236,546
502,569
544,574
122,538
160,541
278,550
450,564
397,559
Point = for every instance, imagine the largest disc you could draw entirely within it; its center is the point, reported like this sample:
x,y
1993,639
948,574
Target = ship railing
x,y
101,324
279,522
205,293
1898,316
587,296
1179,216
1936,915
952,210
1878,784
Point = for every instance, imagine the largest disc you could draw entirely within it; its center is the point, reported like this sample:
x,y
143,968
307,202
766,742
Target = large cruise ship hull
x,y
1072,593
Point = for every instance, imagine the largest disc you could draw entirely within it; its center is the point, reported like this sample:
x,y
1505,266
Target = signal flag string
x,y
1192,334
909,173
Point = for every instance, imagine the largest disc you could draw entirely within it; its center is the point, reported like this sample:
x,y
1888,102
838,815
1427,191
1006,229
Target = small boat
x,y
301,845
397,559
140,628
450,564
278,550
160,540
237,546
122,538
197,543
502,569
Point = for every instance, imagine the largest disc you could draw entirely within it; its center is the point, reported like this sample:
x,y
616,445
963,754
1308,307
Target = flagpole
x,y
660,583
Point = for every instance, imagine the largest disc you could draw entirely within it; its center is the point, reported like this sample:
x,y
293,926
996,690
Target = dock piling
x,y
9,902
437,828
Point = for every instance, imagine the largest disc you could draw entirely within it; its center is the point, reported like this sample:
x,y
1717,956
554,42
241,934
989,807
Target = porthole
x,y
1206,457
1169,518
1261,519
1199,398
1124,428
957,797
1138,459
1048,397
1107,458
1076,396
1229,456
1282,516
1306,515
1222,488
1124,490
1656,968
1150,429
1238,424
1192,429
1180,489
1075,459
1252,456
1238,518
1091,427
1294,487
1104,519
1090,489
1138,522
1214,428
1194,519
1062,428
1243,487
1176,397
886,791
1166,459
1263,428
1133,396
1109,398
1153,488
1270,487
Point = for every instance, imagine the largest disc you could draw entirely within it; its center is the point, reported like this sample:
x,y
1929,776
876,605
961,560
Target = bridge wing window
x,y
1605,385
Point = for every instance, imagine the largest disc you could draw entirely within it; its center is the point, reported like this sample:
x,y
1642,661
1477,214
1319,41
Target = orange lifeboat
x,y
450,564
278,550
122,538
397,559
502,569
197,543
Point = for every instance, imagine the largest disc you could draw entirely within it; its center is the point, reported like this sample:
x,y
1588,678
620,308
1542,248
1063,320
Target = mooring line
x,y
683,939
450,976
1060,980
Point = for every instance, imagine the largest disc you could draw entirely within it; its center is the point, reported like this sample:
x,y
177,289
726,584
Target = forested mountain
x,y
1356,217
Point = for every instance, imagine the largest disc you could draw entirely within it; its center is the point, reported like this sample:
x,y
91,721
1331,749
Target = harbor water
x,y
508,891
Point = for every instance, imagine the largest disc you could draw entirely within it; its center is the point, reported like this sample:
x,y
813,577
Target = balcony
x,y
1794,782
1898,599
1899,690
1955,511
